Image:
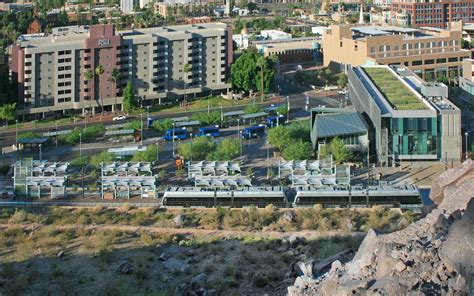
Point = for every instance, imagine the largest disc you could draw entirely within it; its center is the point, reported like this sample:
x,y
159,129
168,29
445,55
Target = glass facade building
x,y
413,136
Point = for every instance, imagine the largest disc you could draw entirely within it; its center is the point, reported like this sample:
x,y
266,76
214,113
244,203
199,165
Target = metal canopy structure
x,y
31,176
116,126
222,181
233,113
126,168
57,133
124,179
187,123
213,168
32,140
119,132
315,173
254,115
126,150
177,119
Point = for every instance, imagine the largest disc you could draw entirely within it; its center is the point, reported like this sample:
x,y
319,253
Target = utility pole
x,y
141,128
147,117
56,134
80,145
173,139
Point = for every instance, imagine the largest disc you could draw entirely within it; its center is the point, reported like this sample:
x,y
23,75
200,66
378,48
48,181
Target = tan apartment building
x,y
428,52
53,73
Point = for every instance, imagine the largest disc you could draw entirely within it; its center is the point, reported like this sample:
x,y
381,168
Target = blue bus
x,y
179,134
209,131
255,131
276,120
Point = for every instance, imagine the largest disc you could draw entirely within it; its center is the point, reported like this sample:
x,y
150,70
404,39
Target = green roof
x,y
396,93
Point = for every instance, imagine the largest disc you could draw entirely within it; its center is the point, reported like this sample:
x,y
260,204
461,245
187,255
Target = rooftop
x,y
339,124
394,90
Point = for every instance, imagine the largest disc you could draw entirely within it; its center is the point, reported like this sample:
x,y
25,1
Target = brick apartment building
x,y
51,71
437,13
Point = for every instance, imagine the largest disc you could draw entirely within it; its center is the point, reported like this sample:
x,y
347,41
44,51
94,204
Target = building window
x,y
416,63
440,61
429,62
452,60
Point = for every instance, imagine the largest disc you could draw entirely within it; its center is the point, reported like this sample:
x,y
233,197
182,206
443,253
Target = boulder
x,y
180,220
364,256
289,216
125,267
60,253
306,268
199,281
164,256
449,177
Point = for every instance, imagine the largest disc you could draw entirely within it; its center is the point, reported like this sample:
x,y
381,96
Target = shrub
x,y
250,109
298,150
211,118
162,125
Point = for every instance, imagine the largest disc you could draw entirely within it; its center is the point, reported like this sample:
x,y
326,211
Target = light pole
x,y
238,135
173,139
268,159
56,123
222,116
288,106
141,128
147,116
16,134
157,152
191,134
307,102
208,107
80,145
40,156
465,139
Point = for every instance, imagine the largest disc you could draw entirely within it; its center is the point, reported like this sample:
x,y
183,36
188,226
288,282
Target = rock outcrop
x,y
433,256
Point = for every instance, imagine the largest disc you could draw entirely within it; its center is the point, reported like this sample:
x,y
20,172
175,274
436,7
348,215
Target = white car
x,y
119,118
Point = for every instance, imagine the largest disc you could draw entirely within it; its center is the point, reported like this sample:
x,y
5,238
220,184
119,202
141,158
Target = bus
x,y
179,134
209,131
255,131
276,120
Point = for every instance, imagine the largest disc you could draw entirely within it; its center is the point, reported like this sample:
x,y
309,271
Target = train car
x,y
209,131
234,198
179,134
403,197
255,131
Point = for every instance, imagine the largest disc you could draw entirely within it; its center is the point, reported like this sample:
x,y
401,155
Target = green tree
x,y
186,69
147,156
298,150
88,75
198,149
342,81
8,112
99,70
300,130
128,98
115,77
251,109
227,149
102,157
279,137
282,109
337,149
162,125
205,118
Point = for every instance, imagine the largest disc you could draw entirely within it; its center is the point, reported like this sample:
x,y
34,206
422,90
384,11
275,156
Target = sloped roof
x,y
339,124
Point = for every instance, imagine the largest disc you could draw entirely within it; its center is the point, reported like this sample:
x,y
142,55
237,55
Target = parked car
x,y
119,118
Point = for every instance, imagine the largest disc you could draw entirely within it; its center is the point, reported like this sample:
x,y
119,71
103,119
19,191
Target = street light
x,y
173,139
191,134
56,123
40,156
238,135
157,151
141,128
147,116
466,134
288,106
268,158
16,134
80,145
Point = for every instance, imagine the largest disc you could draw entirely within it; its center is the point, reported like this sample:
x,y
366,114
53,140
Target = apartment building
x,y
409,119
436,13
58,73
466,82
428,52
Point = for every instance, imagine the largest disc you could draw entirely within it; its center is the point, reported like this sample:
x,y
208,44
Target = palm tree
x,y
99,70
115,76
88,75
187,68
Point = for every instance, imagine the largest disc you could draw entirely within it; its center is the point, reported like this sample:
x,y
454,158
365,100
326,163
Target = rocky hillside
x,y
433,256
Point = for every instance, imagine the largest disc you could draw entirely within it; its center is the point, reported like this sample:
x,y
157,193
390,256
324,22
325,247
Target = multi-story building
x,y
436,13
126,6
409,119
466,82
430,53
59,73
296,51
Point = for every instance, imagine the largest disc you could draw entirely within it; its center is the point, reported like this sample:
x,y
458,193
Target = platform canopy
x,y
222,181
126,167
33,140
201,168
254,115
127,150
57,133
119,132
